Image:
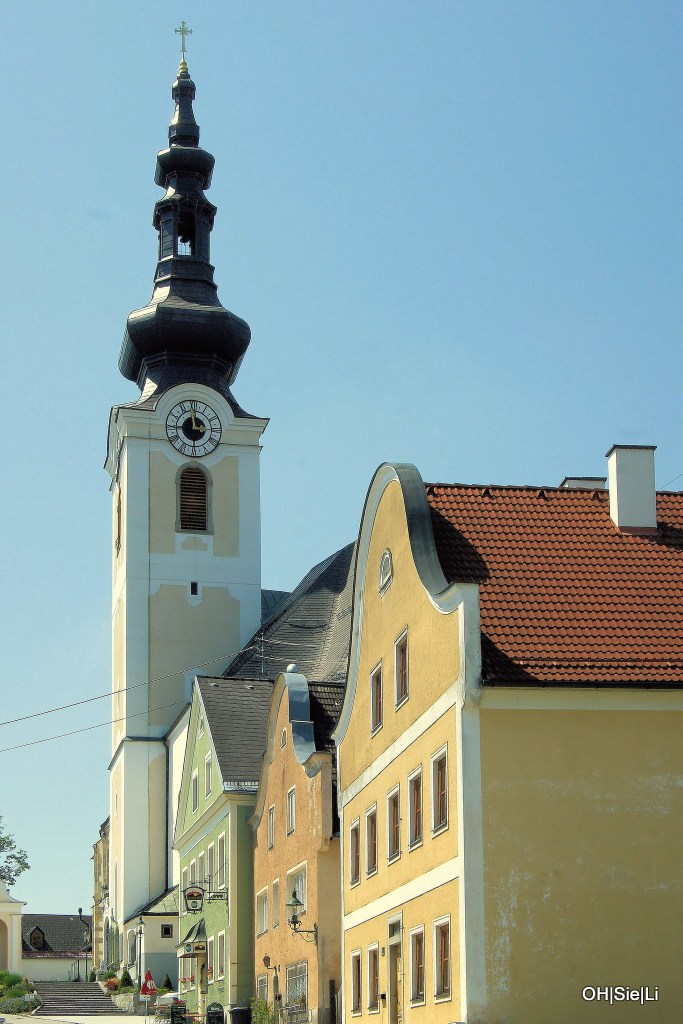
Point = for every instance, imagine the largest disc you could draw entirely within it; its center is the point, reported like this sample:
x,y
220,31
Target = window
x,y
193,500
221,861
193,872
187,238
283,738
296,991
201,869
439,791
262,912
401,669
376,699
271,827
37,939
209,868
291,811
220,966
262,987
393,825
355,983
207,775
276,903
296,882
195,790
354,852
371,841
183,884
442,959
200,727
417,966
373,979
167,931
209,959
415,808
386,571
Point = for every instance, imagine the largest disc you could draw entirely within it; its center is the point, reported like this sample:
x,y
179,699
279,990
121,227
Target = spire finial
x,y
183,31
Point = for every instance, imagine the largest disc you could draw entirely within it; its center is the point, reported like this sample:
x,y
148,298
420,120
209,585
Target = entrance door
x,y
395,984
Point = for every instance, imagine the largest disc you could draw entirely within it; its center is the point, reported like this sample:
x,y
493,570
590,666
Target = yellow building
x,y
509,752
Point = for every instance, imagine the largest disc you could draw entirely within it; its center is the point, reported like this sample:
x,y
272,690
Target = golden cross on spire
x,y
183,31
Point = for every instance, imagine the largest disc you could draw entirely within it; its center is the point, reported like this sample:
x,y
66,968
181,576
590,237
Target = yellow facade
x,y
395,914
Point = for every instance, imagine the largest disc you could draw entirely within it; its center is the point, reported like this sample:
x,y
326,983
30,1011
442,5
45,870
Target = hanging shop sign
x,y
194,898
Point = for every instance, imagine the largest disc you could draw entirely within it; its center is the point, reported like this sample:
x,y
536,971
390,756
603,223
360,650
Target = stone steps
x,y
83,999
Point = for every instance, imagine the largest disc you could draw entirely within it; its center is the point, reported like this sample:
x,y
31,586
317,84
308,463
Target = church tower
x,y
184,467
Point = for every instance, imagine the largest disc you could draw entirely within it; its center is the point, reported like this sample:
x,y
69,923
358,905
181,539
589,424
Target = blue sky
x,y
454,228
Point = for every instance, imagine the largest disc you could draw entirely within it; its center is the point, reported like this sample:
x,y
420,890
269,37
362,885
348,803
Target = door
x,y
395,984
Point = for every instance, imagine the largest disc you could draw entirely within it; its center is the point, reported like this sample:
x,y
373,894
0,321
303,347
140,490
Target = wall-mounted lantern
x,y
294,922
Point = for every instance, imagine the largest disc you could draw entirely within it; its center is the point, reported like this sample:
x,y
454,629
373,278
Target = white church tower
x,y
184,467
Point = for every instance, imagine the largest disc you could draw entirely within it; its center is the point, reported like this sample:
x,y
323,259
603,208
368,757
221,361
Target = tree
x,y
12,860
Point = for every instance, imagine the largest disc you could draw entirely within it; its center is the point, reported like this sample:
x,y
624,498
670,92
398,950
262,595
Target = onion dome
x,y
184,325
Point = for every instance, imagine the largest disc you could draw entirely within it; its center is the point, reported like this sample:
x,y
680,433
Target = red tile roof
x,y
565,598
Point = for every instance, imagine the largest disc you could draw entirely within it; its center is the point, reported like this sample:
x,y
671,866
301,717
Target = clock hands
x,y
200,427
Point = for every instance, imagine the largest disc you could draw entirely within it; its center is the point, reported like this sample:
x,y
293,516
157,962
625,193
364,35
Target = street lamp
x,y
86,939
294,921
141,928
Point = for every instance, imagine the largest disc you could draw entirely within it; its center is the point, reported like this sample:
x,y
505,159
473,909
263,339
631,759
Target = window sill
x,y
415,845
368,874
400,702
417,1001
354,882
263,932
442,997
289,832
375,729
438,829
394,857
373,1009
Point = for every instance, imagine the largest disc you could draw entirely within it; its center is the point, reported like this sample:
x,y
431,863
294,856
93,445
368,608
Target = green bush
x,y
262,1012
92,976
126,980
108,975
125,990
7,979
18,1005
166,985
15,992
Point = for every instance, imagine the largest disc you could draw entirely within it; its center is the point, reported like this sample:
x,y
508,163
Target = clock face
x,y
193,428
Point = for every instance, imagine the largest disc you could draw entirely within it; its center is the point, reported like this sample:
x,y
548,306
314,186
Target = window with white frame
x,y
193,872
296,882
209,959
296,988
401,668
183,877
283,738
415,807
201,869
373,979
207,775
393,824
195,789
291,810
354,853
356,979
220,956
417,965
371,841
167,931
262,911
210,867
220,867
442,959
271,827
439,790
276,903
262,987
386,571
200,726
376,698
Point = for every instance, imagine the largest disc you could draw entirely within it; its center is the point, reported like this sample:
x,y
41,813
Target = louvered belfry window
x,y
193,500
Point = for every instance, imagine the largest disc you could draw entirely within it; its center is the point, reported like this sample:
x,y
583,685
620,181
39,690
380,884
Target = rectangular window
x,y
373,979
193,872
276,903
296,882
167,931
355,983
207,775
401,668
195,790
291,811
201,869
417,966
296,991
439,791
209,959
184,880
442,959
209,868
354,853
200,727
262,912
393,825
371,841
376,699
220,966
415,808
262,987
271,827
221,861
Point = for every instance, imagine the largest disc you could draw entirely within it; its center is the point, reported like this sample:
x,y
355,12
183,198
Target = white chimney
x,y
631,483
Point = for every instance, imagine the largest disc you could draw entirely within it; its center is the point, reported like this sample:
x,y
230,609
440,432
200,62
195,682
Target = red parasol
x,y
148,988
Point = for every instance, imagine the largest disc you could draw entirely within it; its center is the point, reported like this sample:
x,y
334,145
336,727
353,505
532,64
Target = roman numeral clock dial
x,y
193,428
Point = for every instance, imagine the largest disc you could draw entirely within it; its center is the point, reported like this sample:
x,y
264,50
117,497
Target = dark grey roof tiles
x,y
237,715
310,628
64,933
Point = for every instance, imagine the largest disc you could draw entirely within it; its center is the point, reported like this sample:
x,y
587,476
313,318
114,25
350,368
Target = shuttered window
x,y
193,500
